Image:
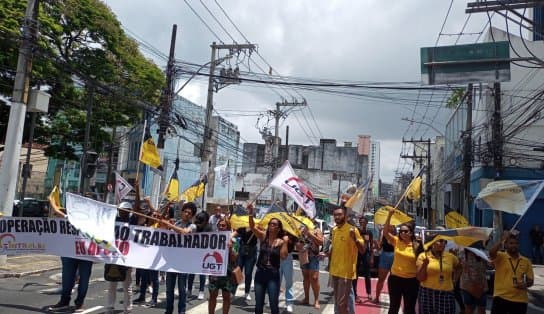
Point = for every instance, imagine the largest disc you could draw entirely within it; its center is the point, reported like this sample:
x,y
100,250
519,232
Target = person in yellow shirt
x,y
402,282
346,242
513,275
435,272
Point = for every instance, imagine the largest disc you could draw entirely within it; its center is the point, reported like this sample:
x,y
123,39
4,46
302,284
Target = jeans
x,y
286,271
267,281
127,292
340,285
201,282
70,266
538,254
182,292
247,263
149,276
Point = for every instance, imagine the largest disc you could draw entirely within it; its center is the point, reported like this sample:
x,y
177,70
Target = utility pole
x,y
210,134
431,216
286,157
164,116
496,145
467,156
14,135
278,114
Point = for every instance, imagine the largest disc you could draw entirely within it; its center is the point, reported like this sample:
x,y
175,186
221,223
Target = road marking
x,y
92,309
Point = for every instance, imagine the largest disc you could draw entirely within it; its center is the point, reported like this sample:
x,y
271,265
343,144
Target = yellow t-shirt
x,y
404,261
343,261
449,262
504,274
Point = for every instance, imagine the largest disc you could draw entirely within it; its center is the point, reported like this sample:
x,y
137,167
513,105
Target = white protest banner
x,y
94,219
122,187
287,181
142,247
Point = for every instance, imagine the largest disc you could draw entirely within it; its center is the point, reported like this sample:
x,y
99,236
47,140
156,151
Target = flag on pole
x,y
414,189
461,236
223,173
287,181
95,220
171,192
122,187
54,197
149,153
380,216
455,220
356,201
510,196
196,190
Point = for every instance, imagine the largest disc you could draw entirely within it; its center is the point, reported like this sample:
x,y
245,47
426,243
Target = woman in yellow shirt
x,y
402,283
435,271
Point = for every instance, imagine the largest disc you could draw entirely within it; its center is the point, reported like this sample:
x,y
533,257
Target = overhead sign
x,y
461,64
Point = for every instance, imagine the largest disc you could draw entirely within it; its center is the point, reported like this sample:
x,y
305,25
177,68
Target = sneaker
x,y
201,295
152,304
59,307
289,308
248,297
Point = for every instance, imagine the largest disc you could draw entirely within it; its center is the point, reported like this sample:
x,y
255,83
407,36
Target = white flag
x,y
94,220
287,181
122,188
223,172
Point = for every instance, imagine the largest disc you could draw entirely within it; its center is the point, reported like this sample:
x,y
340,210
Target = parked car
x,y
31,207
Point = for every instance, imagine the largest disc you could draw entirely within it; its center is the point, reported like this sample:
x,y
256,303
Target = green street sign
x,y
461,64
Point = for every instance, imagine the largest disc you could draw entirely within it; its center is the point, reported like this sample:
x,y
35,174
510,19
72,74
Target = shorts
x,y
386,260
312,265
224,283
469,299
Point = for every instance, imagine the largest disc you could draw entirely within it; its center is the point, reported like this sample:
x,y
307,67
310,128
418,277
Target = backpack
x,y
113,272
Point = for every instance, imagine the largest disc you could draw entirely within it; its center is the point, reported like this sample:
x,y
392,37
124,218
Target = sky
x,y
371,41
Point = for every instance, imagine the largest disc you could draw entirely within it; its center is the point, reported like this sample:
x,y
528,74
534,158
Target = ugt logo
x,y
212,263
298,186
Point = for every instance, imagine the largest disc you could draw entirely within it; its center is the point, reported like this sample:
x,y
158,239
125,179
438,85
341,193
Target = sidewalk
x,y
24,265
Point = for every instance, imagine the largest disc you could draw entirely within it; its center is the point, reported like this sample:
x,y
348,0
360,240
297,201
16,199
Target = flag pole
x,y
140,154
258,194
228,183
408,188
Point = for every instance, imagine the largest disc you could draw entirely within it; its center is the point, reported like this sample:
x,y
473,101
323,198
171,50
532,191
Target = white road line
x,y
92,309
329,309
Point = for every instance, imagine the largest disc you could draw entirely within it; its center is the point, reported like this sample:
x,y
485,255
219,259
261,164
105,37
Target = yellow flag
x,y
455,220
195,190
54,197
380,216
172,190
355,202
149,154
414,189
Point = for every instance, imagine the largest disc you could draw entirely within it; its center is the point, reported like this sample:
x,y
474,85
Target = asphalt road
x,y
34,293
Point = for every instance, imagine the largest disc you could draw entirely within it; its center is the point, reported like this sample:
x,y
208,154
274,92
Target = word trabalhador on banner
x,y
141,247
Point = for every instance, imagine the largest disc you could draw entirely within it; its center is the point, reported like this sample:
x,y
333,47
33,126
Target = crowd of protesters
x,y
428,280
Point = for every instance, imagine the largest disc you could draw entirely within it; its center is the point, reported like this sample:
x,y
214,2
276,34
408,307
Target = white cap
x,y
125,205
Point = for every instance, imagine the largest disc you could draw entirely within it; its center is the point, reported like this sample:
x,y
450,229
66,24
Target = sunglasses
x,y
404,231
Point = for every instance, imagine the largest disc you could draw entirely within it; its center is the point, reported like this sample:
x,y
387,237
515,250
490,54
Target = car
x,y
31,207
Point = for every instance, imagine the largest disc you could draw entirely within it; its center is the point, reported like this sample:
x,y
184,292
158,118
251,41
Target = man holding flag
x,y
513,275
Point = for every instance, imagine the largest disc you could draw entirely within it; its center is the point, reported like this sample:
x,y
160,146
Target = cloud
x,y
373,40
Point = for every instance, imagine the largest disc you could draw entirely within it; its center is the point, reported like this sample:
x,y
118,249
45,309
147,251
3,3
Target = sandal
x,y
358,300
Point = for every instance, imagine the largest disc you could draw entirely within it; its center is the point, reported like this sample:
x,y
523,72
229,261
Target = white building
x,y
374,168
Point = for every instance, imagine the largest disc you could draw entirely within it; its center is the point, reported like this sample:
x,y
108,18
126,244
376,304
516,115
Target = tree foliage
x,y
82,55
455,97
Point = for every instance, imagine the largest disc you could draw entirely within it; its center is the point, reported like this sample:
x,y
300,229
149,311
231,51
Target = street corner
x,y
24,265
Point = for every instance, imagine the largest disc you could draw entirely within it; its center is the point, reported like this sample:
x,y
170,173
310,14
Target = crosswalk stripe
x,y
92,309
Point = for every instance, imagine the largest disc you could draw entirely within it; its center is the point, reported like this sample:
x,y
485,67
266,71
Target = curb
x,y
27,273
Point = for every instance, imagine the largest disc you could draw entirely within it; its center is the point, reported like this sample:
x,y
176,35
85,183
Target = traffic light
x,y
91,163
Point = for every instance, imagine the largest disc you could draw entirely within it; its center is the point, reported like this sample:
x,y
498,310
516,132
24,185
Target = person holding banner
x,y
435,271
272,250
402,283
226,284
513,275
70,268
188,210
